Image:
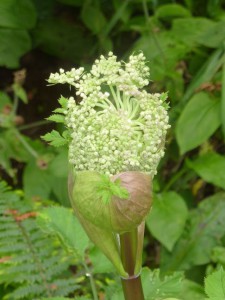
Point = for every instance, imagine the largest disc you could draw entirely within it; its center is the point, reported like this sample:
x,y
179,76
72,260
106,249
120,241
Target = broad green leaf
x,y
60,190
93,19
157,288
99,262
167,218
59,165
62,222
36,181
58,168
171,11
9,53
210,167
185,30
215,285
214,36
166,52
201,234
17,14
62,39
192,290
193,125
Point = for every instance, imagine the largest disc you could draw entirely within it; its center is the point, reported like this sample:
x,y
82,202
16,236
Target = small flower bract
x,y
116,125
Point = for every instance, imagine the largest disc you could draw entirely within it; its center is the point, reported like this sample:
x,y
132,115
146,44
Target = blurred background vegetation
x,y
184,42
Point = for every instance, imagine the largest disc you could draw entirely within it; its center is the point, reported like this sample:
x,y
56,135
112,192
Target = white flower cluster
x,y
117,126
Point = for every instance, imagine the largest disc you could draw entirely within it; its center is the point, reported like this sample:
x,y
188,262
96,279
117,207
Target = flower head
x,y
117,126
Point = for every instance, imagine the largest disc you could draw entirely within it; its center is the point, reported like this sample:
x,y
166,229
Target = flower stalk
x,y
131,246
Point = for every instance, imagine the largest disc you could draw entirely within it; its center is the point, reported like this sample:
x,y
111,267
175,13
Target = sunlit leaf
x,y
210,167
167,218
201,234
193,125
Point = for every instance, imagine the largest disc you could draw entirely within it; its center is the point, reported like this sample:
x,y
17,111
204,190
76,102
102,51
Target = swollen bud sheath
x,y
103,221
117,215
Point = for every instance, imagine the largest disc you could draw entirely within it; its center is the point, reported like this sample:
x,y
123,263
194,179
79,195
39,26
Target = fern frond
x,y
32,264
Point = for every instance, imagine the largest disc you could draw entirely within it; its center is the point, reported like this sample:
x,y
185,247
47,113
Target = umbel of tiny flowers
x,y
116,132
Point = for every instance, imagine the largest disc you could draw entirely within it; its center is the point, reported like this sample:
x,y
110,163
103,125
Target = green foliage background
x,y
184,42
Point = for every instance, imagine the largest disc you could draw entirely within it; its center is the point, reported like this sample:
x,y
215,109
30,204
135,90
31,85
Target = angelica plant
x,y
116,134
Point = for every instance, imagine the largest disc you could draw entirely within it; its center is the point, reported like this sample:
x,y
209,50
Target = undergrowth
x,y
31,265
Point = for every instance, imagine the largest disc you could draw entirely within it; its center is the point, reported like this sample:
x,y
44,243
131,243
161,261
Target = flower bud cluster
x,y
117,126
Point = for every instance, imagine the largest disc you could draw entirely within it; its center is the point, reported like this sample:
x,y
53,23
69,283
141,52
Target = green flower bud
x,y
117,215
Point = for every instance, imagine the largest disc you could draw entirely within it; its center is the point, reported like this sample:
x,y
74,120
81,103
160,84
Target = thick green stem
x,y
132,286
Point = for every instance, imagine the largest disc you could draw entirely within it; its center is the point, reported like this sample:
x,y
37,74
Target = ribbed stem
x,y
132,287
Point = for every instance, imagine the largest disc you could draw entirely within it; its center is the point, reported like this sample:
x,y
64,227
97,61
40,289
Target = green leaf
x,y
57,118
93,19
99,261
62,222
214,36
60,190
72,2
171,11
185,30
215,285
167,218
56,298
62,298
59,165
206,72
191,290
17,14
37,182
193,125
63,102
201,234
210,167
218,255
54,138
9,53
20,92
62,39
107,188
164,54
157,288
4,100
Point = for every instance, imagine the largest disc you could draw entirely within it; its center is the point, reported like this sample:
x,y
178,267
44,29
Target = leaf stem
x,y
34,124
92,282
26,145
